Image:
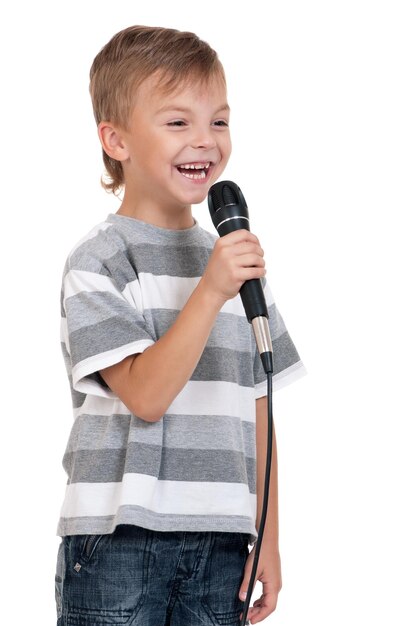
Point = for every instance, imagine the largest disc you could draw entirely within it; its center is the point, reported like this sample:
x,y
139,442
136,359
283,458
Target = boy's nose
x,y
203,139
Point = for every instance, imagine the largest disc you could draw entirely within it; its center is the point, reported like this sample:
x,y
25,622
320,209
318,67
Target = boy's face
x,y
178,144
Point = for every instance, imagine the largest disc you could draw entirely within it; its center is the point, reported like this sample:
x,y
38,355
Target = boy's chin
x,y
194,196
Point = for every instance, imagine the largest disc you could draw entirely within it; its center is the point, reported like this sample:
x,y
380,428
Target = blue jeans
x,y
141,577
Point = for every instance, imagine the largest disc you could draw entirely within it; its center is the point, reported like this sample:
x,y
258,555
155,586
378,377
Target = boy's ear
x,y
112,141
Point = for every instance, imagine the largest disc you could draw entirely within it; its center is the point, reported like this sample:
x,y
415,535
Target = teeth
x,y
198,166
197,176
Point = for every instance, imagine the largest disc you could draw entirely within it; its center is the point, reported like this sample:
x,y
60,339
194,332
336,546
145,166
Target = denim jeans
x,y
141,577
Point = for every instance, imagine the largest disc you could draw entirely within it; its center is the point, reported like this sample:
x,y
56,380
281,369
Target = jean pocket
x,y
89,546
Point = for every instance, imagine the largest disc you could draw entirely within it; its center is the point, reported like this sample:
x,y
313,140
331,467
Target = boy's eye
x,y
183,123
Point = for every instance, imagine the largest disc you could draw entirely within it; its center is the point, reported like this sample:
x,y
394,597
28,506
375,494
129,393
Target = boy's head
x,y
141,66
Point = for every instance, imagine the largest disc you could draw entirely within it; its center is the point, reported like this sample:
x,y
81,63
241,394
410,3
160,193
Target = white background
x,y
323,124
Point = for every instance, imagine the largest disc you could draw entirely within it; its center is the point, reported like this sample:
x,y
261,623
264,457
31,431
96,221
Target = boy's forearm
x,y
160,372
271,529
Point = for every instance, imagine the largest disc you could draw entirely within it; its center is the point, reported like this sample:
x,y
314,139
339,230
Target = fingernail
x,y
243,595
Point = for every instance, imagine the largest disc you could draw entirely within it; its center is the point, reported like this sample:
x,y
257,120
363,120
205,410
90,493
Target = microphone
x,y
229,212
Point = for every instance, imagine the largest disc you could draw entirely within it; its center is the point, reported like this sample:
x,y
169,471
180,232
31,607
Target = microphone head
x,y
227,207
224,193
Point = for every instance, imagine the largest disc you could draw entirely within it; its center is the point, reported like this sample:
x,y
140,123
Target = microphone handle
x,y
251,292
254,302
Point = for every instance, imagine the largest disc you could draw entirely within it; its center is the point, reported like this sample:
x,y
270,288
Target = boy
x,y
168,391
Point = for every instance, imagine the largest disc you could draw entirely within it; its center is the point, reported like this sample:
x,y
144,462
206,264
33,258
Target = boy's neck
x,y
174,218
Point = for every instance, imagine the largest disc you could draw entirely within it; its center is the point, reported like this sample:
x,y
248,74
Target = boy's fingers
x,y
251,260
262,607
245,247
239,235
267,606
260,612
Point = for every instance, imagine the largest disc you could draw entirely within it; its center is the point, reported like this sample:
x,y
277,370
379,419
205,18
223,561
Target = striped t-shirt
x,y
194,469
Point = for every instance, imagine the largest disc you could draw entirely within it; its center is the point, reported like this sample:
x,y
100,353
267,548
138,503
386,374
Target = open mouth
x,y
195,171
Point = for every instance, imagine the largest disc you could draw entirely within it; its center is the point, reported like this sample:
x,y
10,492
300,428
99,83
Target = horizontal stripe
x,y
169,292
148,291
205,397
225,365
229,331
111,334
139,516
214,398
172,292
161,497
166,292
176,464
80,281
85,310
115,431
102,407
77,281
169,260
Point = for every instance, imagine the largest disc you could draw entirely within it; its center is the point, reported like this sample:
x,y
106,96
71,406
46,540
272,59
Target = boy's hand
x,y
269,573
235,258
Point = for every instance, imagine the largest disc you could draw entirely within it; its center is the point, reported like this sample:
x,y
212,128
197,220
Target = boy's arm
x,y
147,383
271,528
269,570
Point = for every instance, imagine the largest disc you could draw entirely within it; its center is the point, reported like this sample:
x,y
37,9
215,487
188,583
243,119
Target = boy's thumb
x,y
246,580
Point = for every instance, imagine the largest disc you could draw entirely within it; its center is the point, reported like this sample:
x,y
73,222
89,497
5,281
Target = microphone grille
x,y
229,195
216,200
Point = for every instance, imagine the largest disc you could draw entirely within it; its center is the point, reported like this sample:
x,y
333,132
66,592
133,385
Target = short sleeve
x,y
101,325
287,364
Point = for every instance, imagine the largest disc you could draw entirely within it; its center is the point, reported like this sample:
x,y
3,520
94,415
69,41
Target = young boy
x,y
166,456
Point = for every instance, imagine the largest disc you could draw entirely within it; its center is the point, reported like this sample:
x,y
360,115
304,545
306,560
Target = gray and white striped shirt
x,y
195,469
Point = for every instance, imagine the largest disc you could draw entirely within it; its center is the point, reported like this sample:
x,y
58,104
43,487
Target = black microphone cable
x,y
265,497
229,212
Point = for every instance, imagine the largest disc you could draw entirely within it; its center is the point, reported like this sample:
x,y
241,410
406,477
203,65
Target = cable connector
x,y
263,341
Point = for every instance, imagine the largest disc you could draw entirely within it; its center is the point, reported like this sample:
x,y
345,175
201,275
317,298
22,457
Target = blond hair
x,y
130,57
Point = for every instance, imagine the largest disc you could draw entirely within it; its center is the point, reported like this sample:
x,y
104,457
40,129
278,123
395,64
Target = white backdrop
x,y
323,106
